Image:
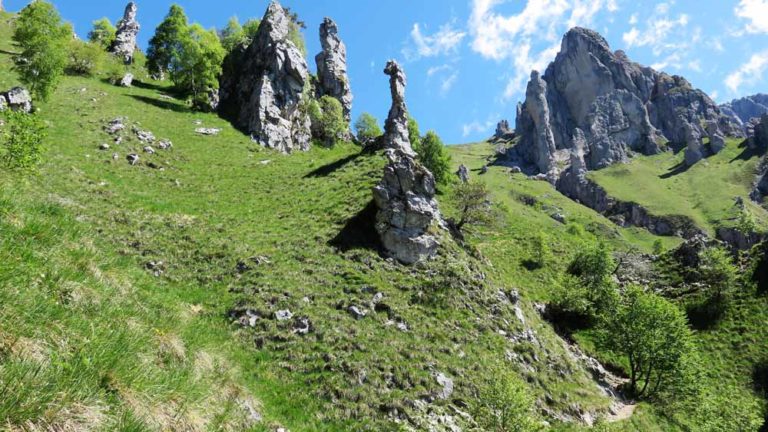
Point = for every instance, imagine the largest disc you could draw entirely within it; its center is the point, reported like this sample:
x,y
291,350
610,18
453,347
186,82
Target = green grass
x,y
91,339
705,192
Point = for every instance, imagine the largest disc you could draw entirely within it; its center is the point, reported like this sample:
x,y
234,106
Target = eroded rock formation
x,y
124,45
396,134
744,109
503,132
263,86
332,67
17,99
408,214
620,106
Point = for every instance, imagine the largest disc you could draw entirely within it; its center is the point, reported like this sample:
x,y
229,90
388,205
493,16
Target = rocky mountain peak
x,y
332,67
125,37
262,86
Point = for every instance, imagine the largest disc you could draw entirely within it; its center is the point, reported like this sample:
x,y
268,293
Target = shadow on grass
x,y
2,51
747,153
676,170
359,232
326,170
530,264
152,86
706,314
163,104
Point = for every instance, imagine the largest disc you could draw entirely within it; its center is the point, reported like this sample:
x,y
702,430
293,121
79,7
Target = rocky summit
x,y
744,109
620,107
124,45
263,86
332,67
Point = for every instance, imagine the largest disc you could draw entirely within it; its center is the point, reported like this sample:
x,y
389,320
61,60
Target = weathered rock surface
x,y
262,89
407,209
758,140
128,28
17,99
503,132
746,108
396,134
332,67
620,106
127,80
463,173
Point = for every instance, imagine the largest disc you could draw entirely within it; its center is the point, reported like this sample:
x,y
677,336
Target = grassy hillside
x,y
705,192
121,286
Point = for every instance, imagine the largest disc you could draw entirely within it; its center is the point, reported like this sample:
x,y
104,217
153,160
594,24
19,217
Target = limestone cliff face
x,y
620,106
744,109
262,88
332,67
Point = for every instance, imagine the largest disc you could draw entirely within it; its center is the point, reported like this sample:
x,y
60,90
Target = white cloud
x,y
438,69
633,19
477,127
514,37
756,12
657,34
748,73
445,41
448,83
714,94
695,65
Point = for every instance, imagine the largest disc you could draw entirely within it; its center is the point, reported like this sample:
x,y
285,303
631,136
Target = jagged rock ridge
x,y
619,106
332,67
124,45
744,109
264,86
405,197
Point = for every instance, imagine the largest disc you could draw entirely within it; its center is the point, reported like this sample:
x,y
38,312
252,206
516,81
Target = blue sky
x,y
468,61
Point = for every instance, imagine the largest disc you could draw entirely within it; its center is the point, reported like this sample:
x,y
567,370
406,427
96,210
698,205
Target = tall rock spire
x,y
396,134
332,67
125,37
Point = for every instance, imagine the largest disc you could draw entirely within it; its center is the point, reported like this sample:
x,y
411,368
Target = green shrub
x,y
433,155
85,58
593,265
505,404
414,133
473,201
21,140
328,123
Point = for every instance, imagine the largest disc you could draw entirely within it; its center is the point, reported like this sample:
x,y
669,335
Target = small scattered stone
x,y
144,136
208,131
446,384
127,80
132,158
356,312
104,146
114,126
165,145
302,325
115,156
283,315
149,150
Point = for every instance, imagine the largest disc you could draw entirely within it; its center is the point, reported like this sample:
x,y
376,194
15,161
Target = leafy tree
x,y
250,28
505,405
327,117
474,204
22,140
367,128
294,33
42,37
232,35
414,133
433,155
166,45
196,68
102,33
654,336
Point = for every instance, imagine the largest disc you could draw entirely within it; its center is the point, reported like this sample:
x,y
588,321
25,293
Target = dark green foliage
x,y
21,140
367,128
593,265
235,35
433,155
759,271
102,33
653,335
541,253
166,45
718,275
328,124
42,37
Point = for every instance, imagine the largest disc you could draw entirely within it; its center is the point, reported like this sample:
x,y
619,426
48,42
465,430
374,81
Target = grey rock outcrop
x,y
407,209
758,133
620,106
263,86
17,99
396,135
746,108
693,149
127,80
463,173
503,132
408,214
332,67
128,28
